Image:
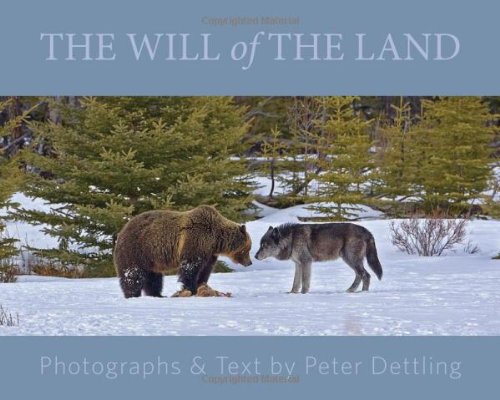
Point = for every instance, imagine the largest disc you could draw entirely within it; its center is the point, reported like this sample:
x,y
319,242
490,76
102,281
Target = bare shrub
x,y
428,237
471,248
8,273
7,319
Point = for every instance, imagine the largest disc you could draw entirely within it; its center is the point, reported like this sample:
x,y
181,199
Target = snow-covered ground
x,y
457,294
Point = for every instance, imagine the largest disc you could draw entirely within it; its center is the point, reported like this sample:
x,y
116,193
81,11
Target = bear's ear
x,y
243,228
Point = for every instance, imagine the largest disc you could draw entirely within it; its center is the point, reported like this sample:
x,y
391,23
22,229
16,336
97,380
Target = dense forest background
x,y
100,161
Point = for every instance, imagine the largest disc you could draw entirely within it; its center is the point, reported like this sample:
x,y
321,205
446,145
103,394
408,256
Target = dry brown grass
x,y
8,273
60,271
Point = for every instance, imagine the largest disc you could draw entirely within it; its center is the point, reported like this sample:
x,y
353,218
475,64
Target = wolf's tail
x,y
372,257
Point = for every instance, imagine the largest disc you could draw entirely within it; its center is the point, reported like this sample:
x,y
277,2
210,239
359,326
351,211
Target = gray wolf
x,y
189,242
305,243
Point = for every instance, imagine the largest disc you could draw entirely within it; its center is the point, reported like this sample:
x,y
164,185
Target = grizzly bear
x,y
156,242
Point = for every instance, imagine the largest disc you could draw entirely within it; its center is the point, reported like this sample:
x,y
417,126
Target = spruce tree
x,y
396,155
452,153
113,158
9,181
271,147
304,115
343,149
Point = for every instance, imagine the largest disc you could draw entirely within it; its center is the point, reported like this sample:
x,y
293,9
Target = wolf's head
x,y
269,244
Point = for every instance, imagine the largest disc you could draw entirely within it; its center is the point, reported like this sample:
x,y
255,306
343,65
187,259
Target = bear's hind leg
x,y
132,282
153,284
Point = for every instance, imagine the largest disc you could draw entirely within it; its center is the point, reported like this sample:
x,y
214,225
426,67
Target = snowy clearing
x,y
456,294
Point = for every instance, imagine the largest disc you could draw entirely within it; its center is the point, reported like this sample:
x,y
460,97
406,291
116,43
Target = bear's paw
x,y
206,291
183,293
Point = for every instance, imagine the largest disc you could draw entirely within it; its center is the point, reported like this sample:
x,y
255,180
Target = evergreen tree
x,y
343,149
266,113
271,147
304,115
114,158
395,155
10,179
451,153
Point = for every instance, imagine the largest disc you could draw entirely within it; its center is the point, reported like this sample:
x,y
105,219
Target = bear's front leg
x,y
203,290
188,276
206,270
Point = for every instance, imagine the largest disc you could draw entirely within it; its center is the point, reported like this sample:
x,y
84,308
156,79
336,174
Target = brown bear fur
x,y
156,242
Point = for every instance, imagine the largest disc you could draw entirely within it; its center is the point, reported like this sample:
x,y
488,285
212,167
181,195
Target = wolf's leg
x,y
357,266
297,280
306,277
355,284
366,280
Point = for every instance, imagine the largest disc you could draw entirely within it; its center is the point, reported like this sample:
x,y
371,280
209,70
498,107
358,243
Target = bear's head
x,y
240,253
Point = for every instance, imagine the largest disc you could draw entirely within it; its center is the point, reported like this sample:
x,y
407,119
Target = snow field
x,y
456,294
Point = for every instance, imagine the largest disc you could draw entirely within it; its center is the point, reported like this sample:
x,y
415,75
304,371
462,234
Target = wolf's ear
x,y
275,235
270,228
243,228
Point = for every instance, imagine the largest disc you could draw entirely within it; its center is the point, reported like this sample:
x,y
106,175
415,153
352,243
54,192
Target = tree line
x,y
100,161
